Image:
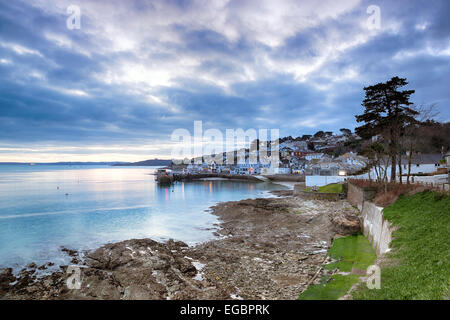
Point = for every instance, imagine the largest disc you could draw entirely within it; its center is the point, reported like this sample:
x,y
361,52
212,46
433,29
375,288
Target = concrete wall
x,y
376,228
356,195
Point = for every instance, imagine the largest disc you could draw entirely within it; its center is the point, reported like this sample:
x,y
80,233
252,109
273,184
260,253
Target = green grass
x,y
331,188
420,257
332,290
352,252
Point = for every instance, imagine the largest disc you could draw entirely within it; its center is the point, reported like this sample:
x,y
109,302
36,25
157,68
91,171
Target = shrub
x,y
388,193
364,183
394,190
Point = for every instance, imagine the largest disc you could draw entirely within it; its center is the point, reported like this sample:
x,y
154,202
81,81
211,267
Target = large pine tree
x,y
386,115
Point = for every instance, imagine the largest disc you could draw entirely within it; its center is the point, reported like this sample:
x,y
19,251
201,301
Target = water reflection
x,y
182,190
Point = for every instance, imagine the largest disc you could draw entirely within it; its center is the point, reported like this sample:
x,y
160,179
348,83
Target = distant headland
x,y
152,162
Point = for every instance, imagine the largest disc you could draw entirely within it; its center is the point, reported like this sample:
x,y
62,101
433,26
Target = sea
x,y
44,208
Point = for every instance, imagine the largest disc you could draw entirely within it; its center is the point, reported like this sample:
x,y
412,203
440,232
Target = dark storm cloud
x,y
164,64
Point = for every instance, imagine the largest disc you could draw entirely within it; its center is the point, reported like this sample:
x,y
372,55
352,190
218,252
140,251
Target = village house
x,y
301,154
313,155
351,162
423,163
286,152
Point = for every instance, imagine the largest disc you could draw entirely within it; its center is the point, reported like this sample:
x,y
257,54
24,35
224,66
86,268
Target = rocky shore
x,y
268,248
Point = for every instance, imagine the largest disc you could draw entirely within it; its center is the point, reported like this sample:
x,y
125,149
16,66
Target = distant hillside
x,y
153,162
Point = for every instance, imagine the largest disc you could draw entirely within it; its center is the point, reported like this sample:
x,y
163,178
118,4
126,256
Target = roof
x,y
428,158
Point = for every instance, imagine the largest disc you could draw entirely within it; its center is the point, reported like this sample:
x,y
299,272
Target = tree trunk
x,y
378,172
400,168
384,171
393,167
409,163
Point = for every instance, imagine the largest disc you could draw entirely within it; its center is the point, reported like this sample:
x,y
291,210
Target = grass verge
x,y
352,253
331,188
420,258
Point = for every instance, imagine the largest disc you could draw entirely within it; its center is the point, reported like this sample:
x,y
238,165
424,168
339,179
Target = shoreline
x,y
265,248
288,184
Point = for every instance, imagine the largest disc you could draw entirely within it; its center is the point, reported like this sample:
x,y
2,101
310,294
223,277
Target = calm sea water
x,y
44,207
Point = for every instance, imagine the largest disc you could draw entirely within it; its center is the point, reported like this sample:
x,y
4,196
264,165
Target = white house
x,y
275,170
422,163
312,156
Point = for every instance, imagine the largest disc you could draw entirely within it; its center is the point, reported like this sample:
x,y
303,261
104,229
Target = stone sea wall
x,y
373,223
376,228
357,195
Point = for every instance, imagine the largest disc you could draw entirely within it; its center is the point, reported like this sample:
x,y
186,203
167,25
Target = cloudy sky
x,y
135,70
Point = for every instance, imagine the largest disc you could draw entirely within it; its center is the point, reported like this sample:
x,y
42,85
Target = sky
x,y
115,88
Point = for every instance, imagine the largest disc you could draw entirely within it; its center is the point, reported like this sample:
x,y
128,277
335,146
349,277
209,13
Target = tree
x,y
286,139
319,134
306,137
386,115
345,131
375,154
415,137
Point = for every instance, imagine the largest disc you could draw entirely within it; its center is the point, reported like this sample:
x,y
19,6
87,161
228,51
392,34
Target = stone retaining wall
x,y
374,226
357,196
